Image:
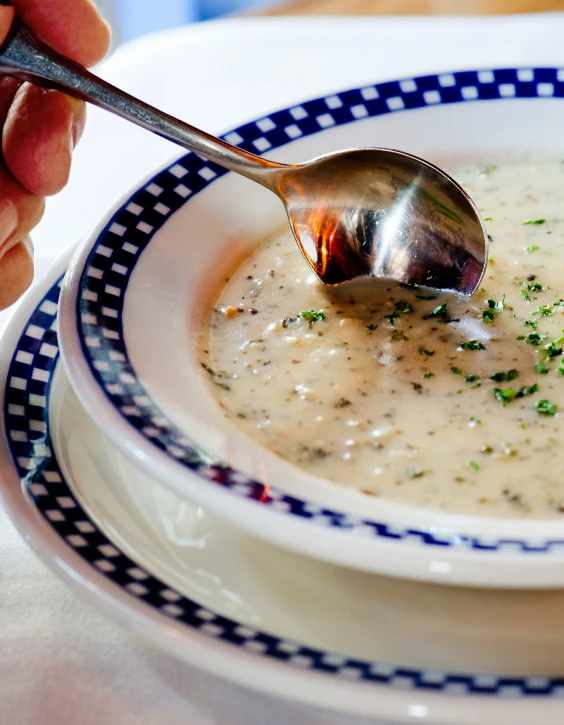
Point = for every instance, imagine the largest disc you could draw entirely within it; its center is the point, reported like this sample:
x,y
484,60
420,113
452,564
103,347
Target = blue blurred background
x,y
132,18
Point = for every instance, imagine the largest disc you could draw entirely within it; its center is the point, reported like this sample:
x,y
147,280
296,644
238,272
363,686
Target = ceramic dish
x,y
244,610
133,293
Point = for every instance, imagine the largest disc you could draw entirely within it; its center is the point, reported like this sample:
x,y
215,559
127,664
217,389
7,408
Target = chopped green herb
x,y
472,345
403,306
525,295
509,394
501,377
493,305
488,219
530,323
426,297
430,353
474,421
372,326
312,316
534,286
392,317
527,390
472,378
560,368
529,249
505,396
440,311
534,221
553,349
544,407
456,371
488,316
490,260
428,375
473,465
541,368
533,338
545,310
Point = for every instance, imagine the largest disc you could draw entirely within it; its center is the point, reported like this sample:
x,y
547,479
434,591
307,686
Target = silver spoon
x,y
361,213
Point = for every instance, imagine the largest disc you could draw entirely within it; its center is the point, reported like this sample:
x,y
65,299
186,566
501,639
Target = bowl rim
x,y
97,279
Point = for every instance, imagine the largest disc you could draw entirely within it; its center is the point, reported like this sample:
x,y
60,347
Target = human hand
x,y
40,129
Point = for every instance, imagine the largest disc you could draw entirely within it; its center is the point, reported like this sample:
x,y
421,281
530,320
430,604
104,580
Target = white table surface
x,y
61,661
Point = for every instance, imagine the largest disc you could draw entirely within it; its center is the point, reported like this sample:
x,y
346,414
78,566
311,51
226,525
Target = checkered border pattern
x,y
114,255
26,416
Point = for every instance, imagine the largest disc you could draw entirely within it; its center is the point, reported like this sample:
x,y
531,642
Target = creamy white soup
x,y
422,398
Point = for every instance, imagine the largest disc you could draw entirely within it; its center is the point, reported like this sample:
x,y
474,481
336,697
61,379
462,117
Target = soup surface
x,y
427,399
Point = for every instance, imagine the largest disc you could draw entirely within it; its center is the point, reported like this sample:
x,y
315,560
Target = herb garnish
x,y
529,249
530,323
534,221
493,305
426,297
545,310
440,311
553,349
472,345
533,338
372,326
391,317
534,287
429,375
544,407
456,371
312,316
525,295
403,306
430,353
473,465
509,394
488,316
472,378
501,377
541,368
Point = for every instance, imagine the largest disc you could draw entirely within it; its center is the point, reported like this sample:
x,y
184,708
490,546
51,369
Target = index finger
x,y
72,27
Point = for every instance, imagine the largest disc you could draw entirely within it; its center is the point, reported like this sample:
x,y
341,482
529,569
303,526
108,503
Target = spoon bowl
x,y
358,213
384,213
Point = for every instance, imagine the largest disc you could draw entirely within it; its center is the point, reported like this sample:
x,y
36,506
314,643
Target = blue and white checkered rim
x,y
115,253
26,419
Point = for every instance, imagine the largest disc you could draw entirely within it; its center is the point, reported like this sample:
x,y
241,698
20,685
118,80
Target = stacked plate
x,y
128,481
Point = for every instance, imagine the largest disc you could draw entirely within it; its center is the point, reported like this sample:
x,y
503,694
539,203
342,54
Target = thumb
x,y
6,18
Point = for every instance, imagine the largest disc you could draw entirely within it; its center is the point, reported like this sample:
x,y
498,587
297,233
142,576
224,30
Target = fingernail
x,y
8,222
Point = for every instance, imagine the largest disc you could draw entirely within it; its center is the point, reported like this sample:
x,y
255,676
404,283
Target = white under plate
x,y
248,611
131,299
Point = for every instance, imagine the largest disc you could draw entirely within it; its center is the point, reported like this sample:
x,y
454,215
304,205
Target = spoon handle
x,y
23,55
